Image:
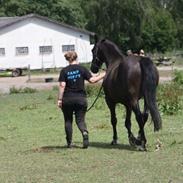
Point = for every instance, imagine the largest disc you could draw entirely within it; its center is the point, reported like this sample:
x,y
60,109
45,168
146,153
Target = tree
x,y
159,30
118,20
69,12
132,24
176,9
13,8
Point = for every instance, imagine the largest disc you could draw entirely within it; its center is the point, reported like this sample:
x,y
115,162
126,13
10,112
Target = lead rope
x,y
95,99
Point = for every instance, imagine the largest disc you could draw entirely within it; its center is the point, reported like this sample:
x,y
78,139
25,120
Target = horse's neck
x,y
114,62
112,67
113,56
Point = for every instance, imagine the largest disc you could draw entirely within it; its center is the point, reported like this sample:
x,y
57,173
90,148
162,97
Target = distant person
x,y
129,52
142,53
72,96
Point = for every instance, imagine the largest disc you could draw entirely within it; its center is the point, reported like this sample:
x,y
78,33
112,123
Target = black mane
x,y
112,46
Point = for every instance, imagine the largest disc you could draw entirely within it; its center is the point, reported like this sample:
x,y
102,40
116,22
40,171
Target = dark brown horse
x,y
127,80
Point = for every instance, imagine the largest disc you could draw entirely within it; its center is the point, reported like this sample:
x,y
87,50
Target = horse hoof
x,y
132,141
114,142
141,148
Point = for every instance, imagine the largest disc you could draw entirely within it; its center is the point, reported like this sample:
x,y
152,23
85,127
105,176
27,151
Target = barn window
x,y
22,50
66,48
45,50
2,51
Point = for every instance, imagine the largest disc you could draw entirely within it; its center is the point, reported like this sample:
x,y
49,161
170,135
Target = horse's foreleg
x,y
141,141
112,107
132,139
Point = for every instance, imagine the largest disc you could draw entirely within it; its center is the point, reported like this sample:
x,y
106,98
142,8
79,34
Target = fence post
x,y
29,75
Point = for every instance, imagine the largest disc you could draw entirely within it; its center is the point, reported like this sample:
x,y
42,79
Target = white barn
x,y
40,42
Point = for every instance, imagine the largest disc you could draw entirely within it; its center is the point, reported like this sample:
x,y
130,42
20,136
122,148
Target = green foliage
x,y
69,12
153,25
93,90
169,98
116,20
175,8
28,107
14,90
178,77
159,32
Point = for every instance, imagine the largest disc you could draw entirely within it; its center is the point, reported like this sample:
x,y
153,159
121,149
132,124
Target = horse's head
x,y
98,58
106,52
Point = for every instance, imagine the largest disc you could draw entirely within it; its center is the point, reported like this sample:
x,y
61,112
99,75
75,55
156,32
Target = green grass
x,y
5,74
32,146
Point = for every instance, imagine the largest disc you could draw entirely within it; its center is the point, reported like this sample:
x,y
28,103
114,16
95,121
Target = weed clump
x,y
14,90
178,77
169,98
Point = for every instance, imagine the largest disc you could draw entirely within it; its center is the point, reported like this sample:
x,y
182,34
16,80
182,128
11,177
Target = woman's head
x,y
71,56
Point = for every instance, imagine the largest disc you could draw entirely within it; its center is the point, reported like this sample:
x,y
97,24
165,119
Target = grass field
x,y
32,143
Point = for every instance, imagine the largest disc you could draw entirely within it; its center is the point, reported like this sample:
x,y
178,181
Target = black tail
x,y
150,79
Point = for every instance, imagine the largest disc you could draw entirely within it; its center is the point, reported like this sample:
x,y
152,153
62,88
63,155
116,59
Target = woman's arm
x,y
94,79
61,93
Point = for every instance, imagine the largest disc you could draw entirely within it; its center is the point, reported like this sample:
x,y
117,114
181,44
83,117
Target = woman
x,y
72,96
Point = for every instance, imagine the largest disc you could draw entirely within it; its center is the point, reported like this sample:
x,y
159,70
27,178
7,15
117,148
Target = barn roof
x,y
8,21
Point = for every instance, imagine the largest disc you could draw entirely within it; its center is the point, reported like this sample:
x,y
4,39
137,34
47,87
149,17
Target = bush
x,y
178,77
14,90
169,96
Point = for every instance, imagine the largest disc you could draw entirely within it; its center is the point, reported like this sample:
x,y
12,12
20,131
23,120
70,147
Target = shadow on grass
x,y
97,145
47,149
102,145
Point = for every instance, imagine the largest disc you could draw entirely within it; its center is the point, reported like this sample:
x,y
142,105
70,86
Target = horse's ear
x,y
103,39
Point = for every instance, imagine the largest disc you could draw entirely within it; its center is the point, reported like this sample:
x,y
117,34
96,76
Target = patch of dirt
x,y
39,82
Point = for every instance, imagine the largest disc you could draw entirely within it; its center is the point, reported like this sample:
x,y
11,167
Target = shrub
x,y
169,96
28,107
178,77
29,90
14,90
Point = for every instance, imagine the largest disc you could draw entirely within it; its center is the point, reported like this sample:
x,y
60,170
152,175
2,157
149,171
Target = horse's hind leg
x,y
145,115
132,139
145,112
112,107
141,141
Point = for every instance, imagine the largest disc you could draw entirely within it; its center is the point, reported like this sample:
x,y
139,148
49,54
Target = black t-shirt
x,y
74,76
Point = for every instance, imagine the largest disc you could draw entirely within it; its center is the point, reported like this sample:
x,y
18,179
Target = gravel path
x,y
39,83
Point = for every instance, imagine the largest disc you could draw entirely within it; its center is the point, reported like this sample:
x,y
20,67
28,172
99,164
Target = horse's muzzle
x,y
94,68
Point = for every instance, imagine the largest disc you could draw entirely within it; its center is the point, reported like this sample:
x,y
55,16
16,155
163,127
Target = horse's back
x,y
134,76
123,82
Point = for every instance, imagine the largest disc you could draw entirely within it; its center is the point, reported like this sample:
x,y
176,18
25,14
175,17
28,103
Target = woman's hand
x,y
59,103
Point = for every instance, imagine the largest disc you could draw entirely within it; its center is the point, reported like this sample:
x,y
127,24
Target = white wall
x,y
35,32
